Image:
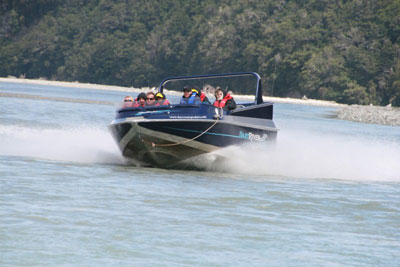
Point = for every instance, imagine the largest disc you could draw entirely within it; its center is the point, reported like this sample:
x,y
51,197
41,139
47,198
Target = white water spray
x,y
308,155
298,155
79,144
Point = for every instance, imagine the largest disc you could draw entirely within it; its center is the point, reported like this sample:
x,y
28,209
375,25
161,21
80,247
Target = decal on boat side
x,y
151,112
187,117
253,137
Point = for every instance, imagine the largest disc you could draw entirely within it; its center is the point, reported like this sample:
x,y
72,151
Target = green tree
x,y
337,50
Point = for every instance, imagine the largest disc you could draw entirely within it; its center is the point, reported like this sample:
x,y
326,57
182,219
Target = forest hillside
x,y
342,50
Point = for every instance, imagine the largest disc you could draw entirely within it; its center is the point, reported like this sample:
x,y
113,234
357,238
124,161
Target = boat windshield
x,y
199,89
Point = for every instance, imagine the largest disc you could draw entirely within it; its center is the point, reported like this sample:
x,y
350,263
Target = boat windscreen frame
x,y
258,95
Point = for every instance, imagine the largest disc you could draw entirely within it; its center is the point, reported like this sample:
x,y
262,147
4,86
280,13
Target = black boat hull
x,y
166,143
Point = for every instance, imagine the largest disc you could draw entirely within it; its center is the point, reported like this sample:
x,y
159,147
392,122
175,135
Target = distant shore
x,y
136,90
70,84
357,113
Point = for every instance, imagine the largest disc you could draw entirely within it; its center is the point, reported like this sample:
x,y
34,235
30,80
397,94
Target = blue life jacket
x,y
192,99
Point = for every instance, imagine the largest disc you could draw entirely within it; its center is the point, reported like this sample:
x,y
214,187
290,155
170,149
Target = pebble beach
x,y
370,114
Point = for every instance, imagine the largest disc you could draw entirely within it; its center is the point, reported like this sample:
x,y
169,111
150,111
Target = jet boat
x,y
167,135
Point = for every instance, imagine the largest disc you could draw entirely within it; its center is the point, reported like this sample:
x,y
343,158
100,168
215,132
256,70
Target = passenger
x,y
186,94
202,95
161,100
223,100
150,100
140,100
195,96
204,98
128,102
190,96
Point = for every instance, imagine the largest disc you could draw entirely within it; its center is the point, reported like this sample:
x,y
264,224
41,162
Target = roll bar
x,y
258,95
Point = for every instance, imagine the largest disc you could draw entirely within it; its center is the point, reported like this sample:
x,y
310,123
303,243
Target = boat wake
x,y
74,144
305,155
297,155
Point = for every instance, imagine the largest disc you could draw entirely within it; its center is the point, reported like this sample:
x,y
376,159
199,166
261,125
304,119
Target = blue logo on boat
x,y
243,135
253,137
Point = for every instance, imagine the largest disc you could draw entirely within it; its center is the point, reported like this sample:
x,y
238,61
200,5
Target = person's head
x,y
128,99
219,94
186,92
150,98
159,96
141,98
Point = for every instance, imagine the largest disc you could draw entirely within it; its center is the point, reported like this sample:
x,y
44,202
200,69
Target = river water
x,y
328,194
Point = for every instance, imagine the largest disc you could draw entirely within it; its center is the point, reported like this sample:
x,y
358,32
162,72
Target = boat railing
x,y
258,95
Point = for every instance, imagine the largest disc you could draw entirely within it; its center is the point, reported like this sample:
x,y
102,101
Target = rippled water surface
x,y
327,195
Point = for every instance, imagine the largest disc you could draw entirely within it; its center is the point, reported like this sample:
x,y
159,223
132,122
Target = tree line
x,y
342,50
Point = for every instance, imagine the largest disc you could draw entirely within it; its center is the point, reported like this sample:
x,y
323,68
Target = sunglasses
x,y
127,100
150,98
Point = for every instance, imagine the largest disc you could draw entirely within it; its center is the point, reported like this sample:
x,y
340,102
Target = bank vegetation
x,y
343,51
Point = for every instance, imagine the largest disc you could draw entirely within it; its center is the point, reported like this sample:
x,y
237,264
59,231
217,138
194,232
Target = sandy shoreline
x,y
70,84
313,102
356,113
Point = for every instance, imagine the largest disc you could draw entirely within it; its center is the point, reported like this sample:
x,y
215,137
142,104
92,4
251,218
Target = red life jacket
x,y
162,102
222,103
202,96
137,104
